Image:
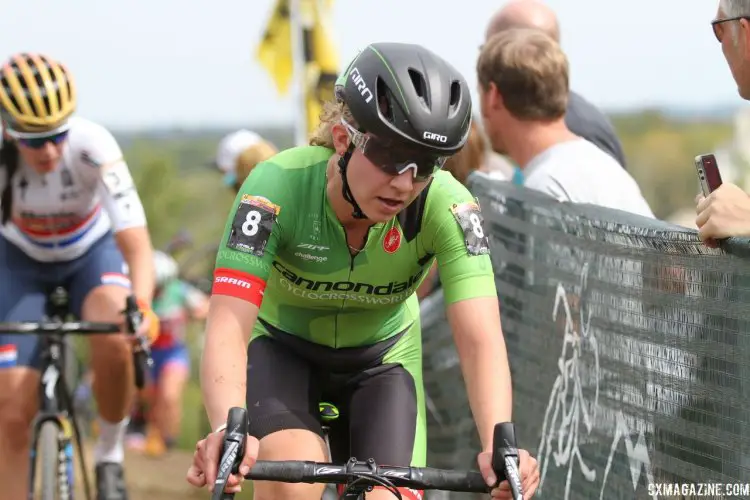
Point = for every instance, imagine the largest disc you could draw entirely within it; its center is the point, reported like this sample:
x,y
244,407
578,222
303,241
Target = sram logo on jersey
x,y
348,286
432,136
238,284
233,281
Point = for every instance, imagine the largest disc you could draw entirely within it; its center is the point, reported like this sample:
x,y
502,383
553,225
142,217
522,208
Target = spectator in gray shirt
x,y
582,118
726,211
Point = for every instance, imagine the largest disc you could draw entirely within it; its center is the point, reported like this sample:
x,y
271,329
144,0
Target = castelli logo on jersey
x,y
392,240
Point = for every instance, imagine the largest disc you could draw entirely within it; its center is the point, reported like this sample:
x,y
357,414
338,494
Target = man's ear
x,y
493,97
744,37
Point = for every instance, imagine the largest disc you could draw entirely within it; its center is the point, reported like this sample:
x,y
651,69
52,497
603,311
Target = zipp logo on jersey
x,y
310,246
390,288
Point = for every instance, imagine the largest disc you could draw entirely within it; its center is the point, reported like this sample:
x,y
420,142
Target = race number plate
x,y
252,225
469,218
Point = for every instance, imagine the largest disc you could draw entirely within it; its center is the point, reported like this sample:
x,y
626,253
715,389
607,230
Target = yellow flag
x,y
275,49
321,59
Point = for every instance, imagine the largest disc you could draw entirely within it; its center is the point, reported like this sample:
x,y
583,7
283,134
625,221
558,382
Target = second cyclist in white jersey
x,y
70,216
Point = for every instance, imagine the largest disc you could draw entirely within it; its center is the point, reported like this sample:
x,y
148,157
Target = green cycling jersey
x,y
284,244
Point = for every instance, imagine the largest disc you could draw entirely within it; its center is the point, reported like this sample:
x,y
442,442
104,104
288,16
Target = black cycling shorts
x,y
377,389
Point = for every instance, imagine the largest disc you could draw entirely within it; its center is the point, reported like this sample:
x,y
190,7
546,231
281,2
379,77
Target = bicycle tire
x,y
48,448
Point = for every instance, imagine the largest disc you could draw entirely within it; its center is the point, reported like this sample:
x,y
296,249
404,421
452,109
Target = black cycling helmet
x,y
403,91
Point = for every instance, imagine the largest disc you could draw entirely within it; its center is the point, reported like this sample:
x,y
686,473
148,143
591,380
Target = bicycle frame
x,y
53,408
55,400
328,413
356,493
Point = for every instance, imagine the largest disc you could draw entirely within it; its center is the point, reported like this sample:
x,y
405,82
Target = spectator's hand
x,y
723,214
528,467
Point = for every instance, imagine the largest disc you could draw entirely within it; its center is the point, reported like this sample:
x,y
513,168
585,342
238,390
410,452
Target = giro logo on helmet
x,y
361,85
432,136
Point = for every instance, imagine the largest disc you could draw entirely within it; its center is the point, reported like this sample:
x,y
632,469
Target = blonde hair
x,y
330,115
470,158
529,70
249,159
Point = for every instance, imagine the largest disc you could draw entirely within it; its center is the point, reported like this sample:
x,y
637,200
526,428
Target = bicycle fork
x,y
63,454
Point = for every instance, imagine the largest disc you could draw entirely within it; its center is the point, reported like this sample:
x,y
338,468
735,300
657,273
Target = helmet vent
x,y
46,98
420,86
37,74
8,91
455,95
385,100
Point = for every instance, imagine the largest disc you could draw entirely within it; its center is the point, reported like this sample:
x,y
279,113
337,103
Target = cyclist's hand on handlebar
x,y
202,471
150,325
528,467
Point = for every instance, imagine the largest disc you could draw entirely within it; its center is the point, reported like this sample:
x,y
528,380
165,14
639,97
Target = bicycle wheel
x,y
48,448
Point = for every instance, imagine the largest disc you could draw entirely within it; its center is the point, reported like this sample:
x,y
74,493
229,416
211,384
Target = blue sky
x,y
143,64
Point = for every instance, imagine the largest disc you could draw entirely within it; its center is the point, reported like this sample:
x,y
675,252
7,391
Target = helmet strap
x,y
345,190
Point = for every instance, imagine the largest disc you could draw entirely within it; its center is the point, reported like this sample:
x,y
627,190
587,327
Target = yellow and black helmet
x,y
37,93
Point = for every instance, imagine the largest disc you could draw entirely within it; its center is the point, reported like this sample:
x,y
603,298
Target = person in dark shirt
x,y
582,118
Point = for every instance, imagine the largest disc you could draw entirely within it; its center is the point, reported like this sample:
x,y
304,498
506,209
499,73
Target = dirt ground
x,y
159,478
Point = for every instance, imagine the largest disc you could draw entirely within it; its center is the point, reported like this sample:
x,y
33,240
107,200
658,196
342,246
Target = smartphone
x,y
708,173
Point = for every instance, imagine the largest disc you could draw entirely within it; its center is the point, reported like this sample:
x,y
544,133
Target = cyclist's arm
x,y
135,245
468,282
120,199
484,362
224,359
254,231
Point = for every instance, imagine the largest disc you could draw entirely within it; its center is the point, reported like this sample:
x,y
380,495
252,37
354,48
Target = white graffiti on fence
x,y
567,408
637,454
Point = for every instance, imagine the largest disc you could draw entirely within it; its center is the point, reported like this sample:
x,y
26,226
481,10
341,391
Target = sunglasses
x,y
716,25
395,159
39,142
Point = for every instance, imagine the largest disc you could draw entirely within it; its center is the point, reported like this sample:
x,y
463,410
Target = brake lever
x,y
134,319
232,451
505,458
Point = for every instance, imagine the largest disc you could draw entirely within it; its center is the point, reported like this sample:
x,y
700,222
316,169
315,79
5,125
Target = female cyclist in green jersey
x,y
317,271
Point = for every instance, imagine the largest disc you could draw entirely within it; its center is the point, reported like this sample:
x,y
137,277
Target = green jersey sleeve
x,y
262,214
459,243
